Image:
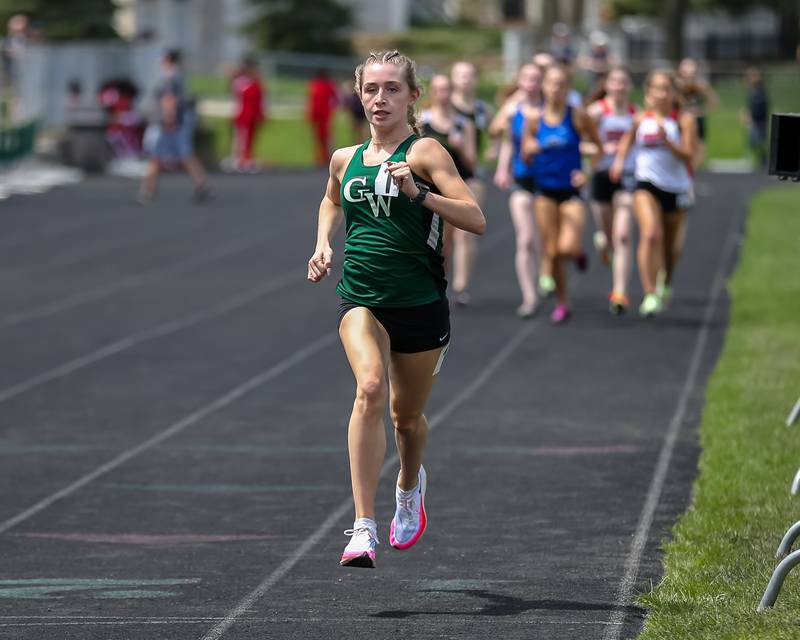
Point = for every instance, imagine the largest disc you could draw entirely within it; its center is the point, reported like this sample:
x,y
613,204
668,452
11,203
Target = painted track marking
x,y
159,331
231,396
130,282
337,514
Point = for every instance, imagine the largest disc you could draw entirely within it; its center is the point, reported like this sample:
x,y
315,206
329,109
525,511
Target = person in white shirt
x,y
664,141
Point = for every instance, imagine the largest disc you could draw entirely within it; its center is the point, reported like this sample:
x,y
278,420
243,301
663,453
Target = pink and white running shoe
x,y
409,520
360,551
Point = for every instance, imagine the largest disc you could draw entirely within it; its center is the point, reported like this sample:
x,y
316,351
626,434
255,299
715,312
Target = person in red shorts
x,y
249,114
322,101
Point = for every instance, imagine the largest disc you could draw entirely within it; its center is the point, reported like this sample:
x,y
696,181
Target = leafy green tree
x,y
321,26
65,19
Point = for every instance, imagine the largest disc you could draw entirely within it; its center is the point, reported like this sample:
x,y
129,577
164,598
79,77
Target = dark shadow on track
x,y
501,605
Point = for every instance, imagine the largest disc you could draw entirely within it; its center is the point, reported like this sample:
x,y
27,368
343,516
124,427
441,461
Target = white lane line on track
x,y
188,264
173,231
158,331
347,505
634,558
231,396
172,326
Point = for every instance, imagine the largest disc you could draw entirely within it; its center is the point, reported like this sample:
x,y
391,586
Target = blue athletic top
x,y
560,153
520,168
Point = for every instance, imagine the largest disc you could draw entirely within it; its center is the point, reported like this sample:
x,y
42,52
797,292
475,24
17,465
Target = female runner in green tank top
x,y
393,192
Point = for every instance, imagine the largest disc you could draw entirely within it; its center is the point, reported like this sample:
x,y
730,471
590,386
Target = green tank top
x,y
392,248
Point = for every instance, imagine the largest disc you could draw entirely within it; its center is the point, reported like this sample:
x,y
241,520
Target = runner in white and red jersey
x,y
664,141
612,201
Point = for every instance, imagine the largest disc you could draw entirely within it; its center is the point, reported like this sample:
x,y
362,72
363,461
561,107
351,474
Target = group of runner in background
x,y
556,152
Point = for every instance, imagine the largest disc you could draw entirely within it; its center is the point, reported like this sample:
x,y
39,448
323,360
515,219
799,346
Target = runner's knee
x,y
406,423
653,237
525,244
371,394
621,238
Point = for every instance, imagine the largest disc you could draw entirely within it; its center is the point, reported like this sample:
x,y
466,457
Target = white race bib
x,y
384,185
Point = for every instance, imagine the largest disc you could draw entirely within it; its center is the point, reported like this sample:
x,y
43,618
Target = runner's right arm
x,y
330,219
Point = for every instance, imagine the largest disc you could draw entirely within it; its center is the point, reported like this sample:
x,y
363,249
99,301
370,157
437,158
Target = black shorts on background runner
x,y
604,188
670,202
560,196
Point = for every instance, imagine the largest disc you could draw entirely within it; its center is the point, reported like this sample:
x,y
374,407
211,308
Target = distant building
x,y
582,15
209,32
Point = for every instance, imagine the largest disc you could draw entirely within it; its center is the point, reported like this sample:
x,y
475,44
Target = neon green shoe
x,y
547,285
651,305
661,282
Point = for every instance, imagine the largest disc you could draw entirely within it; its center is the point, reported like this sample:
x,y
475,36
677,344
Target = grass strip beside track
x,y
723,550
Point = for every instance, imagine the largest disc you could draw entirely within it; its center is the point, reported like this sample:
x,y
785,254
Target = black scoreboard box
x,y
784,146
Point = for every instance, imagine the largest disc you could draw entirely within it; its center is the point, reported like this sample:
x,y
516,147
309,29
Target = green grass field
x,y
723,549
726,135
281,143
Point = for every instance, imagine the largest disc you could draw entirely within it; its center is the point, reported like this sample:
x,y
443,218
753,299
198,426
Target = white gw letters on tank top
x,y
380,199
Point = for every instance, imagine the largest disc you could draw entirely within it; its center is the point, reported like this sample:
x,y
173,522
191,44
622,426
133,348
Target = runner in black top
x,y
464,79
453,131
456,133
698,98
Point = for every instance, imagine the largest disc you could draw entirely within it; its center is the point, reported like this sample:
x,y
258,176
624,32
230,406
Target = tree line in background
x,y
324,26
64,19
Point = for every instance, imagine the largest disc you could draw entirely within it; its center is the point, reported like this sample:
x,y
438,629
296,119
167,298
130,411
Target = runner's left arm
x,y
456,204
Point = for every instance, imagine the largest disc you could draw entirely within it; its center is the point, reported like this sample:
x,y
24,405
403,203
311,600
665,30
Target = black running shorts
x,y
410,329
603,188
560,196
525,183
669,202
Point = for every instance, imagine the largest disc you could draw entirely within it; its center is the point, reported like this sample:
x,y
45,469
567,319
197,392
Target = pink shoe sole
x,y
423,523
363,560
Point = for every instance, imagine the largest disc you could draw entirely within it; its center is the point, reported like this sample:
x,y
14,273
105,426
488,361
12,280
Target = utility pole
x,y
673,12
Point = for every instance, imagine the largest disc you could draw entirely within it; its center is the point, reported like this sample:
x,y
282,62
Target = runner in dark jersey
x,y
451,129
393,192
698,98
456,134
464,80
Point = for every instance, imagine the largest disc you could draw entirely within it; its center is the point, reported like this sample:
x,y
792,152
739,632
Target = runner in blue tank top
x,y
515,173
554,141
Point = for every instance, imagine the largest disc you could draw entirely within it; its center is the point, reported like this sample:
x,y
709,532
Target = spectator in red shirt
x,y
248,93
322,101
